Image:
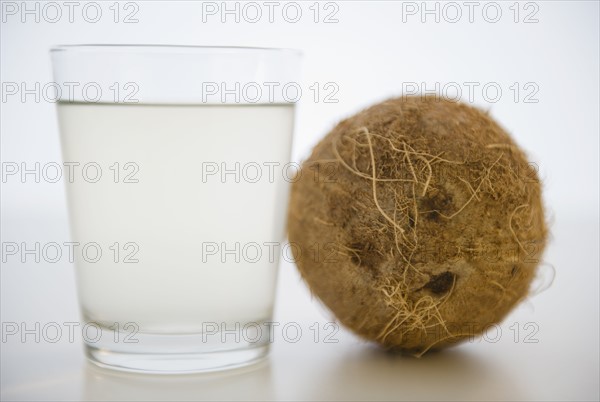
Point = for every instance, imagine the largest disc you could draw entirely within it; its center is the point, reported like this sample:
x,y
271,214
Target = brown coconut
x,y
418,222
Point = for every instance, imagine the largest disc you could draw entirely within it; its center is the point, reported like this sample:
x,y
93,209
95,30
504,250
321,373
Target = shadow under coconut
x,y
370,373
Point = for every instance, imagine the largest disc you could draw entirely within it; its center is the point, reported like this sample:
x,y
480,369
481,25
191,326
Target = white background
x,y
371,53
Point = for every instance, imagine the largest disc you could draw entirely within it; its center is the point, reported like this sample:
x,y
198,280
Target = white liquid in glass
x,y
179,208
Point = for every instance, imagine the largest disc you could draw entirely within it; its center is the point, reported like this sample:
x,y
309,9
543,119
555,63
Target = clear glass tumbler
x,y
177,171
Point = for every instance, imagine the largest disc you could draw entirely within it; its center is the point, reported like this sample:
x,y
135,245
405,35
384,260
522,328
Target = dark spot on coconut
x,y
514,270
438,201
440,284
433,216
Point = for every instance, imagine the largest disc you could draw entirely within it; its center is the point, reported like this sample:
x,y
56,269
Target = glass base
x,y
177,363
175,354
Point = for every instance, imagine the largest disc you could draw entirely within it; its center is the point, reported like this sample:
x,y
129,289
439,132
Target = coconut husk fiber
x,y
418,222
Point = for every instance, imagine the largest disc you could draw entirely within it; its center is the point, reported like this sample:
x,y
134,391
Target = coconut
x,y
418,222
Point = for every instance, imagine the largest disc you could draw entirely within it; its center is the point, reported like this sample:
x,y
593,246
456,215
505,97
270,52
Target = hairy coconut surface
x,y
418,222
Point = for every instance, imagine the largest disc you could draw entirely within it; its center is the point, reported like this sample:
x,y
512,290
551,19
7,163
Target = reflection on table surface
x,y
349,370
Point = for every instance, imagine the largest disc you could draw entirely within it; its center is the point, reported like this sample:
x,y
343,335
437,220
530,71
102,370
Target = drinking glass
x,y
177,173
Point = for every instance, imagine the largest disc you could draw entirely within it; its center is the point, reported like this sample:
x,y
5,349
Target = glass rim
x,y
159,48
